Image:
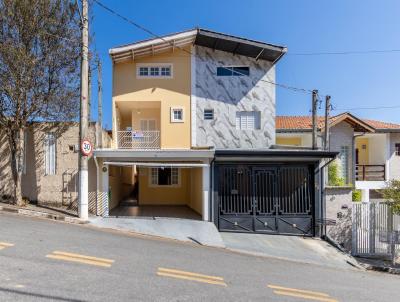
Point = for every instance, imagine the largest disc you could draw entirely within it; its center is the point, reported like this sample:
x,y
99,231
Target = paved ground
x,y
43,260
306,250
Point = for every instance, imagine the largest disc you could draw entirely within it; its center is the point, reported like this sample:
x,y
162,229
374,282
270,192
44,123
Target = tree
x,y
392,195
39,70
333,175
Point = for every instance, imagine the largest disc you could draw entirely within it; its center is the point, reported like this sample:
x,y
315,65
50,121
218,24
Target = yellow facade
x,y
152,98
288,141
362,145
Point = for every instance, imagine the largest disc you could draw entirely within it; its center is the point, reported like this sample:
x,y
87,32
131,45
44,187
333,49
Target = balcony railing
x,y
370,172
137,139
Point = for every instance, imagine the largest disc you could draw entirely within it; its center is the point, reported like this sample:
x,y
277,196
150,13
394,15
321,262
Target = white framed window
x,y
154,70
208,114
177,115
248,120
50,153
165,177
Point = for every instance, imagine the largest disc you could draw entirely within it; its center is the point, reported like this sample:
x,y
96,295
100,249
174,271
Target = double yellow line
x,y
80,258
3,245
173,273
301,293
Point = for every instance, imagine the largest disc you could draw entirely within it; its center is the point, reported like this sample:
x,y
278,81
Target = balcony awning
x,y
157,164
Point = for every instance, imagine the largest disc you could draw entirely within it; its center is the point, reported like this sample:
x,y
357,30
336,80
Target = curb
x,y
33,213
383,269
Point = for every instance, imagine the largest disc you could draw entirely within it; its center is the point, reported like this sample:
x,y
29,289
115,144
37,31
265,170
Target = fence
x,y
138,139
374,229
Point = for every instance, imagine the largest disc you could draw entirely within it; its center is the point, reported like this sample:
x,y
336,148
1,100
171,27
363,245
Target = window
x,y
397,149
344,162
176,115
208,114
248,120
161,70
164,176
50,154
233,71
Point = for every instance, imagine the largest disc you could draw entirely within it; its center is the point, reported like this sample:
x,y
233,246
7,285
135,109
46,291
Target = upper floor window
x,y
248,120
233,71
50,154
208,114
161,70
397,149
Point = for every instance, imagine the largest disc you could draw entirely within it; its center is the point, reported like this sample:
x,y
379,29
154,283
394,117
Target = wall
x,y
377,154
363,154
227,95
288,141
115,184
196,190
173,92
145,114
50,189
160,195
338,202
394,161
342,135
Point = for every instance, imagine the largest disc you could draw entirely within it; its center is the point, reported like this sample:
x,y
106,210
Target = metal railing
x,y
370,172
137,139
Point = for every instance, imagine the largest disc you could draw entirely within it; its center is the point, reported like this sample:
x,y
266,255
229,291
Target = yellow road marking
x,y
80,258
3,245
316,298
166,272
301,293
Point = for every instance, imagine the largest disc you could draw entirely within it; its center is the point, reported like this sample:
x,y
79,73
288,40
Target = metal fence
x,y
375,230
138,139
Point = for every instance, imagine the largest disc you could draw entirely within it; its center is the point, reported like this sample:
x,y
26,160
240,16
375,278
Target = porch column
x,y
365,195
102,197
206,193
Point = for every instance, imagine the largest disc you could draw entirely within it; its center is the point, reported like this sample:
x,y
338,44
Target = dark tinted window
x,y
397,147
164,177
233,71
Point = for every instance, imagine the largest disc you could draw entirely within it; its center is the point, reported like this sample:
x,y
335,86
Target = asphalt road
x,y
42,260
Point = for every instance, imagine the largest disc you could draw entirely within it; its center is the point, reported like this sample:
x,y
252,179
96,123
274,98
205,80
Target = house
x,y
50,169
369,150
193,134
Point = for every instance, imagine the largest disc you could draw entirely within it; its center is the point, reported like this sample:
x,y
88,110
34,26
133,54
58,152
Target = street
x,y
42,260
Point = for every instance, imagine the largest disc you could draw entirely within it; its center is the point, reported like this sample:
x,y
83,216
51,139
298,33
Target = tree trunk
x,y
16,143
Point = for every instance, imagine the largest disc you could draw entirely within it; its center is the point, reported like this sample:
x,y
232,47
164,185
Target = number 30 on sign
x,y
86,147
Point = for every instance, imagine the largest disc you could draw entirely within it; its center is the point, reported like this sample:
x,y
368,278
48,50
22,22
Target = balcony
x,y
138,139
370,172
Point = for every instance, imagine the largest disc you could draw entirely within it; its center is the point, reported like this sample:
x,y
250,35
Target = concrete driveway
x,y
293,248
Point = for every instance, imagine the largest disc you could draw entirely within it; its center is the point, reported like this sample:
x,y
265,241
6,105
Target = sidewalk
x,y
42,212
379,265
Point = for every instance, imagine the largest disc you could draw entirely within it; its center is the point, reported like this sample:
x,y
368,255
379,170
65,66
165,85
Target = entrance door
x,y
266,199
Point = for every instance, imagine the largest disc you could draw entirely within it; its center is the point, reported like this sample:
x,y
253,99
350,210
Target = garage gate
x,y
266,199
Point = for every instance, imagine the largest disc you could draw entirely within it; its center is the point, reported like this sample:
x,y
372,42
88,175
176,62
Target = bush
x,y
392,195
356,195
333,176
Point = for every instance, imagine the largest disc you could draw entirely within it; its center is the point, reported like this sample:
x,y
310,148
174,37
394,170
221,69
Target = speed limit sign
x,y
86,147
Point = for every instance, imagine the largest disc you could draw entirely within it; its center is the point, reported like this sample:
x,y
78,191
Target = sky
x,y
353,81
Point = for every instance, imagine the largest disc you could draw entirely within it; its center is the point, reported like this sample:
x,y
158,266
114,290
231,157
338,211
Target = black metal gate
x,y
265,199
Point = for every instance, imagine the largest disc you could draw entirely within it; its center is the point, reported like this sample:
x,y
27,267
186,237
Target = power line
x,y
365,108
354,52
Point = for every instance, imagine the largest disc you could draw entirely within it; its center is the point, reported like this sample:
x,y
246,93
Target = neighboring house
x,y
193,134
369,151
50,169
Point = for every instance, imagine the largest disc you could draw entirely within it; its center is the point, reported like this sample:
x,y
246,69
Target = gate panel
x,y
266,199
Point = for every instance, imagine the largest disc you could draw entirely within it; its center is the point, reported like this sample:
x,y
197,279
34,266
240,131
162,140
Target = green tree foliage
x,y
356,195
39,70
392,195
333,175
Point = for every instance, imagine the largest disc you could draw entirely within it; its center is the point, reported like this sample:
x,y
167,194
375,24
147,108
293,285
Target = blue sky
x,y
304,26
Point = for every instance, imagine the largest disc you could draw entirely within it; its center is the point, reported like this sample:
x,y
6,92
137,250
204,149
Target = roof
x,y
202,37
304,123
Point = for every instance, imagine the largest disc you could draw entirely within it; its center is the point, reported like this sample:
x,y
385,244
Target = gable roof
x,y
202,37
304,123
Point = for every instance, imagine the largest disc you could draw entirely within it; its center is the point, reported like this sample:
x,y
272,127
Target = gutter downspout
x,y
97,184
211,193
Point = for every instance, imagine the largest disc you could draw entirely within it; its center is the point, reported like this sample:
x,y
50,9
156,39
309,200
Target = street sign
x,y
86,147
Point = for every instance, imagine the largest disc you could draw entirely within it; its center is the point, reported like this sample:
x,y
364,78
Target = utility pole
x,y
83,209
314,119
99,139
327,113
